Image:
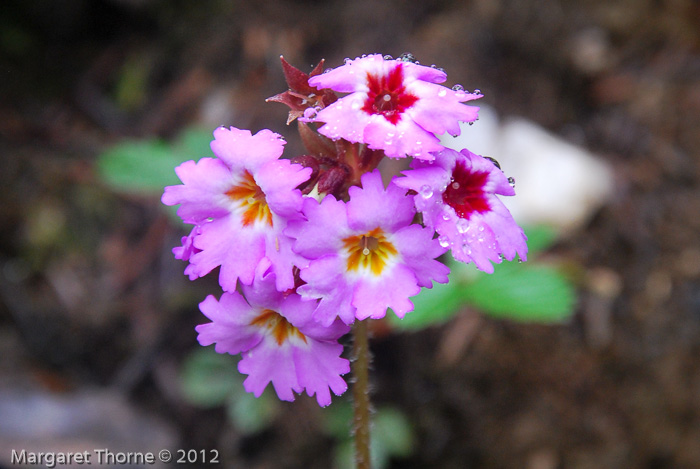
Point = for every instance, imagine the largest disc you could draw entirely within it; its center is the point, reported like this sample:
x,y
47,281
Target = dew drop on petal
x,y
310,113
458,87
511,181
347,60
446,215
494,161
442,93
365,251
426,191
388,57
444,241
477,91
462,225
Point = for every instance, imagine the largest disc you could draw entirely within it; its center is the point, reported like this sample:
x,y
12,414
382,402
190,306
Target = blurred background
x,y
588,359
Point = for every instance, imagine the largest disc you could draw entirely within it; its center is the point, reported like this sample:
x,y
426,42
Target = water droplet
x,y
327,70
458,87
446,216
455,185
388,57
386,97
310,113
462,225
347,60
365,251
442,93
511,181
444,241
494,161
426,191
477,91
407,57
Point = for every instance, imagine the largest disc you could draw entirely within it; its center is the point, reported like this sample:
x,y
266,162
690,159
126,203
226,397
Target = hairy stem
x,y
360,370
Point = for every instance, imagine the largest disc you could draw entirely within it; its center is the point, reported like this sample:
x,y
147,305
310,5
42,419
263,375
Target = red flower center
x,y
465,192
387,95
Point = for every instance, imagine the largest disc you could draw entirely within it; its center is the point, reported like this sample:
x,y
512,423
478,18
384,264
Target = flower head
x,y
393,105
240,203
457,196
365,256
278,340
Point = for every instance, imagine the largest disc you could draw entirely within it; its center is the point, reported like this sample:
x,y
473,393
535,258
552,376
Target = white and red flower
x,y
393,105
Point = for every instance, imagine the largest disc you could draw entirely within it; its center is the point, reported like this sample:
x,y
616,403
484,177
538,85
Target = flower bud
x,y
332,180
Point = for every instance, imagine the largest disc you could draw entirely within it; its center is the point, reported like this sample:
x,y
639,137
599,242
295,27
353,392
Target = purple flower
x,y
240,203
365,256
278,340
393,105
457,195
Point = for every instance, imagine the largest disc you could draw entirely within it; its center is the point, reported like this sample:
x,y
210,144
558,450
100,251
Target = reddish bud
x,y
332,180
308,161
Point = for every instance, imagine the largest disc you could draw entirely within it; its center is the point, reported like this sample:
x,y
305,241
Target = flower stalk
x,y
361,397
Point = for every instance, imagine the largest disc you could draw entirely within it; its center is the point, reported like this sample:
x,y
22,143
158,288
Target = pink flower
x,y
240,203
365,256
457,195
278,340
393,105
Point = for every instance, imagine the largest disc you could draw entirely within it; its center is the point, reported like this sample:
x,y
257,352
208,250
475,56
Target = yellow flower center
x,y
251,199
370,251
277,325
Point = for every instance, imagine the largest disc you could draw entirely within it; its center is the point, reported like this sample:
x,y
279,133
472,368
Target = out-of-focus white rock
x,y
557,183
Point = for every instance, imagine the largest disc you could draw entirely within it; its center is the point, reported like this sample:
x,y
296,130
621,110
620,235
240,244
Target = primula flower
x,y
365,256
240,203
278,340
394,105
457,195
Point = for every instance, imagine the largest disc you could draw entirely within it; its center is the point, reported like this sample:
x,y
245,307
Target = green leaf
x,y
523,292
539,238
393,433
251,414
432,306
139,167
208,378
391,436
147,166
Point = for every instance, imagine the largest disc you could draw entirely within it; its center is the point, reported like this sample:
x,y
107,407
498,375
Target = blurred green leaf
x,y
208,378
539,238
211,379
391,435
139,167
520,291
147,166
432,306
251,414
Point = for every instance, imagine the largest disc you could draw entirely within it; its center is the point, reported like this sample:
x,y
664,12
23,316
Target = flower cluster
x,y
307,246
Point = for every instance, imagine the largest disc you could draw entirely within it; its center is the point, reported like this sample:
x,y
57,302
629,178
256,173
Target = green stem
x,y
360,369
